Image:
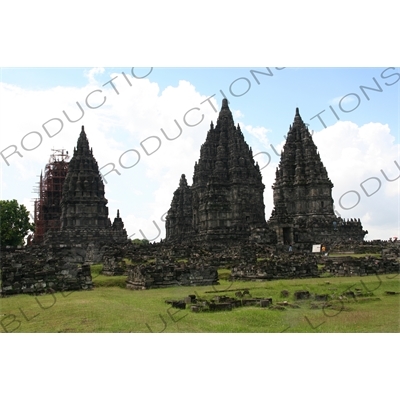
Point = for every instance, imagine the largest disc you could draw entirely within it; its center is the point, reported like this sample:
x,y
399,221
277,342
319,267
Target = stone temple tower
x,y
84,211
225,201
179,224
303,204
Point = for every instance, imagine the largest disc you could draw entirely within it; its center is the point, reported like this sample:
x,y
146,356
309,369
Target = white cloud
x,y
342,100
355,158
91,75
142,193
260,133
237,114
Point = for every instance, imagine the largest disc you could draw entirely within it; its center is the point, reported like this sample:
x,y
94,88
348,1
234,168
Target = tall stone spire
x,y
302,181
84,204
227,191
180,215
118,230
303,203
84,211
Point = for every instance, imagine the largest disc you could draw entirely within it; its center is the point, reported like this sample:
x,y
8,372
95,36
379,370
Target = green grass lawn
x,y
109,307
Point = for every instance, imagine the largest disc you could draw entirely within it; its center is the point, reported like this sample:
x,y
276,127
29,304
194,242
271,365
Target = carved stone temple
x,y
84,212
225,202
60,259
303,205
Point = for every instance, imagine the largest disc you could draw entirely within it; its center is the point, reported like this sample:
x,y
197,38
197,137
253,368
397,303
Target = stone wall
x,y
161,274
114,262
351,266
37,269
118,259
284,266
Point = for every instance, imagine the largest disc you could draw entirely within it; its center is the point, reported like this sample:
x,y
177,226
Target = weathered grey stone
x,y
264,303
302,295
360,266
321,297
84,211
225,202
303,211
32,271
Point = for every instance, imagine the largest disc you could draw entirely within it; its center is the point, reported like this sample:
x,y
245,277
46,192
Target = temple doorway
x,y
287,235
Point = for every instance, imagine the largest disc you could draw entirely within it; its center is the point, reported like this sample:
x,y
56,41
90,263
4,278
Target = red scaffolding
x,y
47,206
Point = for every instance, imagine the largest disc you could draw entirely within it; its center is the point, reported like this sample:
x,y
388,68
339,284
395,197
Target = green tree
x,y
14,221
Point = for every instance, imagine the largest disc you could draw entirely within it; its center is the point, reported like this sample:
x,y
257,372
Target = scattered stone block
x,y
302,295
321,297
249,302
264,303
179,304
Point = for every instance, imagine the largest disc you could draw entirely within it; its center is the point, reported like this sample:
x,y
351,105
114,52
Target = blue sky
x,y
357,134
322,86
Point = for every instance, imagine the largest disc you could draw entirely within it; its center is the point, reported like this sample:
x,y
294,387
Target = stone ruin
x,y
217,221
244,298
84,211
163,265
222,302
351,266
61,261
163,274
303,211
159,265
282,266
387,263
153,265
225,202
44,270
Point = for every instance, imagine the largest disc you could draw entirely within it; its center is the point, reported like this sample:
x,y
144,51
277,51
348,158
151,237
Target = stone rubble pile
x,y
220,303
284,266
44,271
162,274
351,266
